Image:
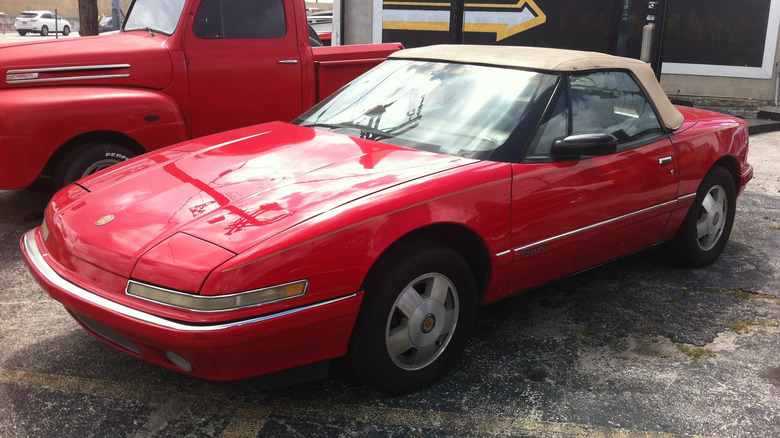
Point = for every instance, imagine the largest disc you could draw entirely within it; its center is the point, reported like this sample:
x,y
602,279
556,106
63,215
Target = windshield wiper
x,y
366,132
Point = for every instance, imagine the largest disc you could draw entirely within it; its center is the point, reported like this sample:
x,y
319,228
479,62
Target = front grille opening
x,y
107,333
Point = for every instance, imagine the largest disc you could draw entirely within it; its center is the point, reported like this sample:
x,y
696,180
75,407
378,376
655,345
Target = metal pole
x,y
457,9
116,14
658,41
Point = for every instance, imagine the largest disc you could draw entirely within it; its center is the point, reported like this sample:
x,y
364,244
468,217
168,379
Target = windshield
x,y
454,109
155,15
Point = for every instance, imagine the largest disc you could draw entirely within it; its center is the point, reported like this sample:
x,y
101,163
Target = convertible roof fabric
x,y
557,60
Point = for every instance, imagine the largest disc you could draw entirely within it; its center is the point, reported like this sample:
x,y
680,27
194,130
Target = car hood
x,y
134,59
234,190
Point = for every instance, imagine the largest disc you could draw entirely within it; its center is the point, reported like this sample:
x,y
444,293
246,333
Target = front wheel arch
x,y
433,326
464,241
52,168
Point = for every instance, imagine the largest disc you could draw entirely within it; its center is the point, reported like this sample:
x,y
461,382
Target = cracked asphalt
x,y
637,347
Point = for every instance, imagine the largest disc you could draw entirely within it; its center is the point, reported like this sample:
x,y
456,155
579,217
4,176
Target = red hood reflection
x,y
233,193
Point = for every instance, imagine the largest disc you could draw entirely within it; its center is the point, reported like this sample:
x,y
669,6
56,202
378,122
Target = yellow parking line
x,y
80,385
250,420
474,425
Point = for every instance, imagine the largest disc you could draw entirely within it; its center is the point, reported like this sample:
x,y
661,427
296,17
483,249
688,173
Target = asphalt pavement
x,y
638,347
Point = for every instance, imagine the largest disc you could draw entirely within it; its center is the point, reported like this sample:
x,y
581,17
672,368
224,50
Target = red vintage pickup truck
x,y
179,69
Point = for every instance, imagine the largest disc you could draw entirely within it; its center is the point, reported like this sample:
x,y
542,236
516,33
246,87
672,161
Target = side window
x,y
612,103
240,19
555,126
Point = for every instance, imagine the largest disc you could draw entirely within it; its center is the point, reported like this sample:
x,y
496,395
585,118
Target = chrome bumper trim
x,y
39,261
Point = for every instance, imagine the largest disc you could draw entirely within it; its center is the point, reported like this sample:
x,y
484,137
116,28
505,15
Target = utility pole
x,y
116,14
88,17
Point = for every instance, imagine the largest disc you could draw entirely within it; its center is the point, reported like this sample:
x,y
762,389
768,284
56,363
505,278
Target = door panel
x,y
568,216
243,64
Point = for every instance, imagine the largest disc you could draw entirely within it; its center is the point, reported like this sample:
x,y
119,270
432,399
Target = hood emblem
x,y
104,220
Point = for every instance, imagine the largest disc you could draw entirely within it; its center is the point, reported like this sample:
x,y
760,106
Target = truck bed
x,y
335,66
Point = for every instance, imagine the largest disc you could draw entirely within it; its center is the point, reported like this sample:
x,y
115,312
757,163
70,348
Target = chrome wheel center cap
x,y
428,323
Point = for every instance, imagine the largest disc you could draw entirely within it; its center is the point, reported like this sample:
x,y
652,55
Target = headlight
x,y
219,303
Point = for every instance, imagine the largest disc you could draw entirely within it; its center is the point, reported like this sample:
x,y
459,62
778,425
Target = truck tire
x,y
88,158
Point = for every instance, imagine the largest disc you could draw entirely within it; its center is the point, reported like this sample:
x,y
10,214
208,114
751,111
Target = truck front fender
x,y
37,122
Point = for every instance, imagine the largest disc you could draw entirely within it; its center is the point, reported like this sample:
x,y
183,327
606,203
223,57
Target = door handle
x,y
288,61
665,160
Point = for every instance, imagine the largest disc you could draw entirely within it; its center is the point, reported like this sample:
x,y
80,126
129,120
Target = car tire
x,y
419,307
66,31
707,227
88,158
22,32
44,30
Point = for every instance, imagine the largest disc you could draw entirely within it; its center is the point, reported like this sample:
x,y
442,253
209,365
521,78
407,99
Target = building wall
x,y
722,87
358,22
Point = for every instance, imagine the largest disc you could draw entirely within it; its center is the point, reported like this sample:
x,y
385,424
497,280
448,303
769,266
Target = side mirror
x,y
578,145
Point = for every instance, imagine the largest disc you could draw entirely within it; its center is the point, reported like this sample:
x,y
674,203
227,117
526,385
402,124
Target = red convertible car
x,y
376,224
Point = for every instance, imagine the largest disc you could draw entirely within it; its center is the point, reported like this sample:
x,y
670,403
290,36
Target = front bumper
x,y
747,175
223,351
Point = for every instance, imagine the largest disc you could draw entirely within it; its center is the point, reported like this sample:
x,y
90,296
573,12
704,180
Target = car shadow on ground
x,y
639,297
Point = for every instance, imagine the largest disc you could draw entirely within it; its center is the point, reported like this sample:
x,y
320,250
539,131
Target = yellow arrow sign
x,y
478,17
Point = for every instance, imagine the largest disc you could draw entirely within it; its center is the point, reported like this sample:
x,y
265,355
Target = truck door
x,y
243,64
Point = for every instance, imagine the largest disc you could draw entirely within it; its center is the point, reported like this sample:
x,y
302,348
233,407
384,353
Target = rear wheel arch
x,y
731,164
707,226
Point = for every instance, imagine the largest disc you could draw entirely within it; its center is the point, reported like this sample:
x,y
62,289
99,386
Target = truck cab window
x,y
240,19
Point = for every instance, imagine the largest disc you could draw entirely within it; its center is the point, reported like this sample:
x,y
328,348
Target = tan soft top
x,y
558,60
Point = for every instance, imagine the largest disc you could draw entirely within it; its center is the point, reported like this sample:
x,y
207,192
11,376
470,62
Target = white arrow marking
x,y
511,19
416,16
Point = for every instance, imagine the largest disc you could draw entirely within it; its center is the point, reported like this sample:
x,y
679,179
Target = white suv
x,y
41,22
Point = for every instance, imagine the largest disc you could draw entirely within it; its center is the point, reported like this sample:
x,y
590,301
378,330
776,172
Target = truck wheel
x,y
44,30
66,31
416,315
90,157
706,229
22,32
